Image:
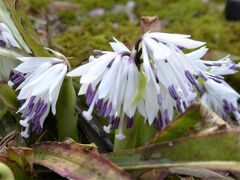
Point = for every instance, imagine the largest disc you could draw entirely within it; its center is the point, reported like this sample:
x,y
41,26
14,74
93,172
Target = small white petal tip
x,y
120,136
24,123
10,84
107,129
24,134
87,115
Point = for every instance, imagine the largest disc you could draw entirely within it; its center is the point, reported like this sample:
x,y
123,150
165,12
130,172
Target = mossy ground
x,y
203,19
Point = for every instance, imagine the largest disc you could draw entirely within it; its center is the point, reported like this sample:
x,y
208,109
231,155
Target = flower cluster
x,y
38,81
155,79
111,81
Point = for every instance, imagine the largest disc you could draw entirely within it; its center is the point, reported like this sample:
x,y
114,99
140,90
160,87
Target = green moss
x,y
81,41
204,21
37,5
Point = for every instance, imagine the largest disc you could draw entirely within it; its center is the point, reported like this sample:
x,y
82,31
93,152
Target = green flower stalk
x,y
66,118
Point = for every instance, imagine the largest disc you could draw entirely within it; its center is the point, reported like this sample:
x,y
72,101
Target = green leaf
x,y
18,172
75,162
197,118
22,156
185,171
217,151
24,27
8,98
141,87
8,62
5,172
3,111
67,121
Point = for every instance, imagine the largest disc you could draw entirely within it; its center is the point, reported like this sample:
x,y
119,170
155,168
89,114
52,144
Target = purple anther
x,y
180,48
173,92
199,88
35,125
31,101
14,75
111,120
108,110
167,120
157,124
38,105
190,77
42,109
216,77
179,106
234,67
89,89
129,123
22,101
99,104
217,64
89,98
18,80
89,94
110,64
208,65
202,76
216,80
116,121
103,109
227,107
29,111
159,99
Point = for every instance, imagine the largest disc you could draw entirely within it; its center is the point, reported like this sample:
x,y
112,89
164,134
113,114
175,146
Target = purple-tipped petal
x,y
129,122
157,124
103,109
116,122
173,92
159,98
108,110
99,104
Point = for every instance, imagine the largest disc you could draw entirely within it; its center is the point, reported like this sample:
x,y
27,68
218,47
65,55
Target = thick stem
x,y
66,119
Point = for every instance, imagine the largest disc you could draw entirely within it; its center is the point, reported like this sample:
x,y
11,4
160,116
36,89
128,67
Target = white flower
x,y
170,76
8,62
109,82
221,98
39,80
7,37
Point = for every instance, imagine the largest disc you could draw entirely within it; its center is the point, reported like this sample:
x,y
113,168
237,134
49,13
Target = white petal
x,y
98,69
196,55
55,89
109,78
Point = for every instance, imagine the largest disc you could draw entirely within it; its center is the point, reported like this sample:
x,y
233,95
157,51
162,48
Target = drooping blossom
x,y
38,80
109,82
170,76
173,79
